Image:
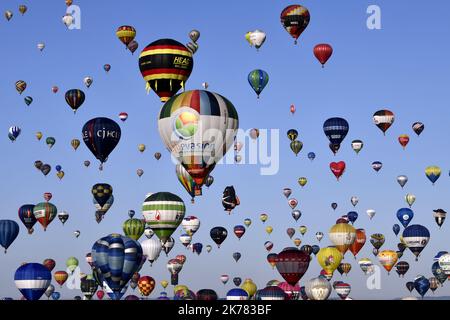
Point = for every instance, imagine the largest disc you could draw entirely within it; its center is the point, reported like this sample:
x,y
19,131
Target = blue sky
x,y
402,67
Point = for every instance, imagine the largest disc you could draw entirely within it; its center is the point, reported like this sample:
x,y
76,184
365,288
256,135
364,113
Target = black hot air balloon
x,y
218,234
165,65
101,136
75,98
102,192
27,217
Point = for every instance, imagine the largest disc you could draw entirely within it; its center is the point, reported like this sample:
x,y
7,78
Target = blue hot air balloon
x,y
56,295
416,238
237,281
272,293
311,156
32,279
438,272
396,229
236,256
258,79
117,258
237,294
58,168
315,249
352,216
197,248
422,285
9,230
405,215
13,133
335,129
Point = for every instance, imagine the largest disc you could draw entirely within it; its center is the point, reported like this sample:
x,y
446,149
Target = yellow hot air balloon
x,y
302,181
250,287
164,284
60,174
342,235
263,217
269,229
180,287
410,199
297,242
303,230
433,173
388,259
329,259
39,135
75,143
141,147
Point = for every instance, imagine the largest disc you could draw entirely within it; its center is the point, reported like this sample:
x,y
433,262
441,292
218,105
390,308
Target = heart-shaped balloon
x,y
60,174
337,168
45,169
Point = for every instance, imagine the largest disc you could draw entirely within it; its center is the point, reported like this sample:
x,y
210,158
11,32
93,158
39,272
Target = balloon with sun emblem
x,y
198,127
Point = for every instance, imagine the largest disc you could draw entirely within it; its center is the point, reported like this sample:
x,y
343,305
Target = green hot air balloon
x,y
163,213
296,146
134,228
72,264
50,141
258,80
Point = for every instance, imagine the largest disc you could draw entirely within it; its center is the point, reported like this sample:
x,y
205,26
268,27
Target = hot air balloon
x,y
72,264
190,224
416,238
256,38
421,284
88,81
193,117
418,127
218,235
410,199
258,80
302,181
126,34
439,216
174,266
377,165
27,217
236,256
405,216
318,289
292,264
49,264
165,65
117,258
396,229
146,284
383,119
44,213
239,231
28,100
296,214
32,280
168,245
329,259
296,146
336,130
151,248
342,235
75,98
163,212
403,139
295,19
88,288
292,203
357,146
61,277
13,133
433,173
133,228
101,136
402,180
123,116
360,240
311,156
187,182
344,268
20,86
402,267
9,230
75,143
323,52
337,168
388,259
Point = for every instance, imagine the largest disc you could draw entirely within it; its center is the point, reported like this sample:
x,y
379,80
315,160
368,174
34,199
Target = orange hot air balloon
x,y
61,277
403,139
388,258
323,52
359,242
146,284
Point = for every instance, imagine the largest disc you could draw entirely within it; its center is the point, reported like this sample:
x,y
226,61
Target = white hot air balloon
x,y
151,248
318,289
257,38
41,46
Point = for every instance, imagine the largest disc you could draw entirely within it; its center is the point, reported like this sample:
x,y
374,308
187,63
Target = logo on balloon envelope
x,y
186,124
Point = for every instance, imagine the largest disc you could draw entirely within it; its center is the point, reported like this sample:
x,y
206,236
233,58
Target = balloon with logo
x,y
318,289
418,127
360,240
163,212
336,130
117,258
342,235
357,145
44,213
383,119
337,168
27,217
439,216
329,259
256,38
190,225
201,118
101,135
405,215
165,65
295,19
258,80
416,238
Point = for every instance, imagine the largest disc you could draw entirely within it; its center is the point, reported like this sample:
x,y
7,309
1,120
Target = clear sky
x,y
402,67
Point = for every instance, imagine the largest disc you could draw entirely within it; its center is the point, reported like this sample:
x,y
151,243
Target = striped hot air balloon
x,y
165,65
133,228
126,34
32,279
383,119
295,18
44,213
163,212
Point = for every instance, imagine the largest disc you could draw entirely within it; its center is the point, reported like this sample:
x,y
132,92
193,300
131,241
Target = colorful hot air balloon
x,y
342,235
433,173
187,182
163,212
405,216
27,217
403,140
165,65
126,34
101,136
61,277
418,127
75,98
256,38
383,119
258,80
388,258
329,259
133,228
195,118
146,284
44,213
32,280
360,240
323,52
295,19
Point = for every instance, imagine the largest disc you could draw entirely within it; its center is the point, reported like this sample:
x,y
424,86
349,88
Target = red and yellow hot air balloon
x,y
295,18
126,34
388,259
60,277
146,284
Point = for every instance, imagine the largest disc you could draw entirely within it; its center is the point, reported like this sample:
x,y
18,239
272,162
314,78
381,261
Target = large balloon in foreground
x,y
198,127
32,279
165,65
117,258
329,259
101,136
295,19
